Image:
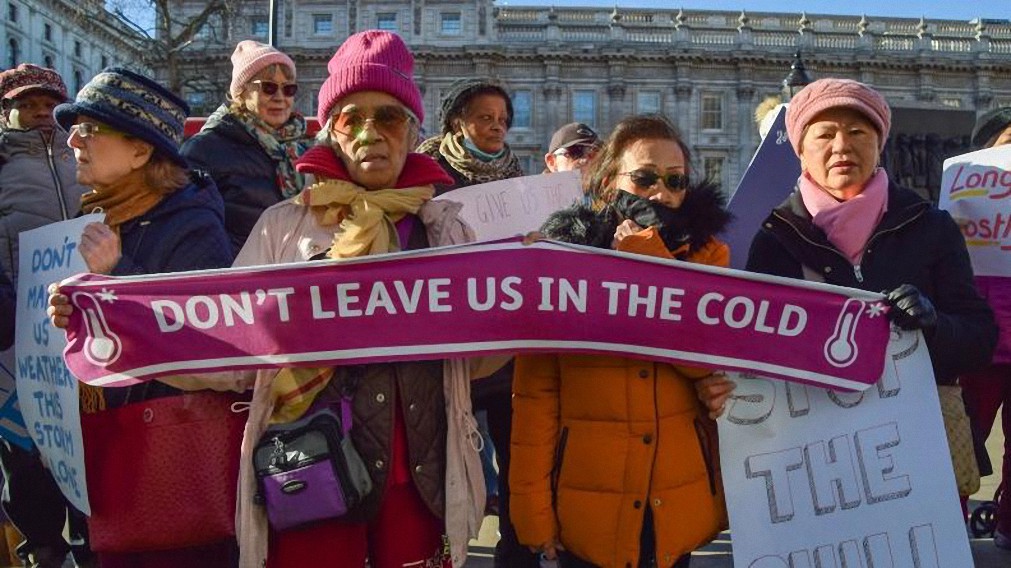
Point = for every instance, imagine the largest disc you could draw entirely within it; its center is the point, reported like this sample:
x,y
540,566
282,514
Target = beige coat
x,y
287,233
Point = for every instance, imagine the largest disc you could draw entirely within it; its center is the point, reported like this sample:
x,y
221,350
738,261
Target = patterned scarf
x,y
284,145
451,147
365,225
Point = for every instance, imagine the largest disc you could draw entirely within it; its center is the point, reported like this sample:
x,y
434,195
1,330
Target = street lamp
x,y
796,80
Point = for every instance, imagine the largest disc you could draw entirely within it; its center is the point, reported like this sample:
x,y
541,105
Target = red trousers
x,y
985,392
404,533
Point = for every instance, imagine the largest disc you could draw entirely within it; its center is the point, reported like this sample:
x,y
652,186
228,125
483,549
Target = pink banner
x,y
500,297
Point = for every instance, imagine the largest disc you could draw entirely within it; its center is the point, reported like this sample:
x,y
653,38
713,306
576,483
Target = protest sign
x,y
821,478
500,297
12,424
976,190
768,181
514,206
46,389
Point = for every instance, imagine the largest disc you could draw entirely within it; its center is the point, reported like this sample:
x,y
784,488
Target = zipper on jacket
x,y
52,170
556,469
858,273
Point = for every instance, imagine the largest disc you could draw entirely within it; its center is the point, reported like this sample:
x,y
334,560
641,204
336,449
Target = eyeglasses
x,y
578,151
646,179
270,88
89,129
391,120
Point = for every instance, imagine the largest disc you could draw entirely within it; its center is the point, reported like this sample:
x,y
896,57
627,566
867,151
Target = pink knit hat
x,y
249,58
372,60
824,94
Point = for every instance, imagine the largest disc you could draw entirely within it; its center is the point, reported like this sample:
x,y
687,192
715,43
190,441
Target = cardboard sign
x,y
46,389
817,478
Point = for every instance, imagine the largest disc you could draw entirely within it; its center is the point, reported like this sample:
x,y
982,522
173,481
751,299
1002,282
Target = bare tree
x,y
171,26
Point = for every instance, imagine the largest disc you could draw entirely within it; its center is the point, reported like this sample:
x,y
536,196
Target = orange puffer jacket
x,y
597,438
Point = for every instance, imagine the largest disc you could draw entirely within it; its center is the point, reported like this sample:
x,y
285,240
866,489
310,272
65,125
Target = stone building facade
x,y
78,38
708,70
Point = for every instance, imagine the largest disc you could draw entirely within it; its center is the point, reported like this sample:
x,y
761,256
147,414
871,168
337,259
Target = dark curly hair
x,y
461,93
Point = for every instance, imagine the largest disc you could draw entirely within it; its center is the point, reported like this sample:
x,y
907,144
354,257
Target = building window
x,y
47,61
713,167
14,53
260,26
105,61
522,103
78,49
387,22
712,112
12,11
78,80
584,107
647,102
451,24
47,32
322,24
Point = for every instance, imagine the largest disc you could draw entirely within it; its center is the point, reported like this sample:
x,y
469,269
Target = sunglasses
x,y
577,151
270,88
646,179
391,120
89,129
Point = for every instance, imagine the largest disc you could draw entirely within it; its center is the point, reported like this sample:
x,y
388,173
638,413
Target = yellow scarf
x,y
122,202
365,225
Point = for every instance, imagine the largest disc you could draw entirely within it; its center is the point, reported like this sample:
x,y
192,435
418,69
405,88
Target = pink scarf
x,y
847,224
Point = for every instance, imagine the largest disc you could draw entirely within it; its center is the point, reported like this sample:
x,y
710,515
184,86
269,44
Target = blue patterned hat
x,y
134,105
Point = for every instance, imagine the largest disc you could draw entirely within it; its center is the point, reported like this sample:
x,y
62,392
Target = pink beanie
x,y
249,58
372,60
824,94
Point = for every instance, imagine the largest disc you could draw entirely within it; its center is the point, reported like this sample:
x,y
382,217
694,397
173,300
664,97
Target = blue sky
x,y
937,9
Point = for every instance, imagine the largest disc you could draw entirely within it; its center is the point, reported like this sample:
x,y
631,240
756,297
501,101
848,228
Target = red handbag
x,y
162,473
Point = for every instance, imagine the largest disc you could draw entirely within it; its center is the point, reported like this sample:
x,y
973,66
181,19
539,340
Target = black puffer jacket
x,y
915,243
245,175
684,230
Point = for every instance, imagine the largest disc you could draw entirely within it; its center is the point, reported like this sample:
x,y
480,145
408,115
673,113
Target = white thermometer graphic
x,y
101,346
841,348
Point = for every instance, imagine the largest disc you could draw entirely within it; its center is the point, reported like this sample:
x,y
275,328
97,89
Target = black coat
x,y
245,175
915,243
7,308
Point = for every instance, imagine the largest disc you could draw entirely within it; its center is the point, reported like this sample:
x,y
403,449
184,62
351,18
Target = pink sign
x,y
500,297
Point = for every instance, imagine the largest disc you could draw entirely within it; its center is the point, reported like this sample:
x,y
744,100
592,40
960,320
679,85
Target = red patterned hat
x,y
27,77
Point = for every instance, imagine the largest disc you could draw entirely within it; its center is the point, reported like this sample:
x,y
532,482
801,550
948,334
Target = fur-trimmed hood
x,y
701,217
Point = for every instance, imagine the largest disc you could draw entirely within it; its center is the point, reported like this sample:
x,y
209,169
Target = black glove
x,y
910,308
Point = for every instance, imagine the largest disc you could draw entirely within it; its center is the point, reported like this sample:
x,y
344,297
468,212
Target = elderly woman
x,y
651,420
476,116
125,131
848,224
37,187
990,389
412,421
250,145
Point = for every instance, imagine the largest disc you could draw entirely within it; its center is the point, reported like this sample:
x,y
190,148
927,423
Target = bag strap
x,y
348,388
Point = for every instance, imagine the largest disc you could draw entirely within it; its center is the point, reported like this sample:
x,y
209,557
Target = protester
x,y
125,131
249,146
7,309
848,224
615,459
37,183
476,117
412,421
571,148
990,389
37,187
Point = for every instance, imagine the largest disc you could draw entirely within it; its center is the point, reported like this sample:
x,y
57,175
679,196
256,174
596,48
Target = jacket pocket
x,y
706,432
556,468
